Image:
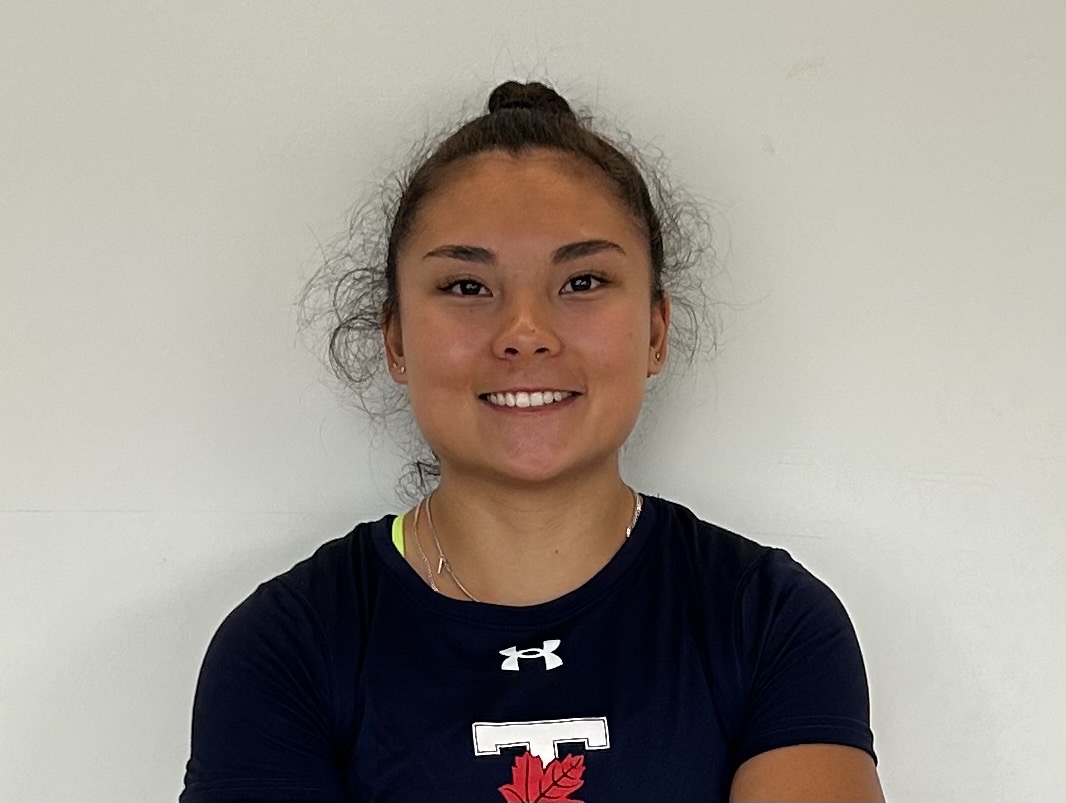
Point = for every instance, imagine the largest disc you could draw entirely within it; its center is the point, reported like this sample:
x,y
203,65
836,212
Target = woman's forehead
x,y
503,194
489,164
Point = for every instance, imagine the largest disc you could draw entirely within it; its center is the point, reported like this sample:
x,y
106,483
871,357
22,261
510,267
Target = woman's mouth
x,y
523,398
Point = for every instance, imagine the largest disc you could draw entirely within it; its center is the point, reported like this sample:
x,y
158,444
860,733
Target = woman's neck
x,y
525,544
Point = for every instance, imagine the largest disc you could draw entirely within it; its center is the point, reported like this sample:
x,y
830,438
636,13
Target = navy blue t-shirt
x,y
692,650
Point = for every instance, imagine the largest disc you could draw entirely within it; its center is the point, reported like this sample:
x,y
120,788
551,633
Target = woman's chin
x,y
533,468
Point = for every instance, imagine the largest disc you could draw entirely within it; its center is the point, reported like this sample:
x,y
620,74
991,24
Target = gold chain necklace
x,y
421,552
442,561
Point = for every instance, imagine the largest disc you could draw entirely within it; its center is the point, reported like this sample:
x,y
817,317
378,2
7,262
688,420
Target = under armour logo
x,y
547,652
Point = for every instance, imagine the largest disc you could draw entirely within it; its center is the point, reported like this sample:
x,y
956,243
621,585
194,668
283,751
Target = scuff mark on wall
x,y
812,64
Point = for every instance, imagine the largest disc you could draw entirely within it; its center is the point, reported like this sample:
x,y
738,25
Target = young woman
x,y
533,628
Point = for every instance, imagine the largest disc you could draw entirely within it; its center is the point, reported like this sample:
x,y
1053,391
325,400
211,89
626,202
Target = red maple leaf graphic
x,y
531,780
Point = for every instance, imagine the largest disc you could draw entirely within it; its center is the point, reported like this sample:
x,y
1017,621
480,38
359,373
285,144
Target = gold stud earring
x,y
658,356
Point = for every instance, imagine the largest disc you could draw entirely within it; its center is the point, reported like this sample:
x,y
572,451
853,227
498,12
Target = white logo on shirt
x,y
547,652
541,738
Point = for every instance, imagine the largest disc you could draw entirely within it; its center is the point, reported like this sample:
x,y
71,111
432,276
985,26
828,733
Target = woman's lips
x,y
526,401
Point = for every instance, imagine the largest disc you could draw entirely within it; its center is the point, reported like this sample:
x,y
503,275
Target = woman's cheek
x,y
444,343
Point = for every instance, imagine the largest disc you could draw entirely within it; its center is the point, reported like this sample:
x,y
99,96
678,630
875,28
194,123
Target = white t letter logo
x,y
547,652
540,738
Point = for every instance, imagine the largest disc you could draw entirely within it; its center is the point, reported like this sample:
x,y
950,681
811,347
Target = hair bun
x,y
534,96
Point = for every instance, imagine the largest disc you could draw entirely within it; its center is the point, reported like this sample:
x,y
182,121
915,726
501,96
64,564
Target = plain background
x,y
886,403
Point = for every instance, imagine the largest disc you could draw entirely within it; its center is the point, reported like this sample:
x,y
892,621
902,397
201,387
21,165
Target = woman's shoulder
x,y
787,635
709,545
317,597
273,684
335,574
737,569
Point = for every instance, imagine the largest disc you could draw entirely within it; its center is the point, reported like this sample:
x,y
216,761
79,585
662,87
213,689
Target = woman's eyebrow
x,y
465,253
584,248
564,253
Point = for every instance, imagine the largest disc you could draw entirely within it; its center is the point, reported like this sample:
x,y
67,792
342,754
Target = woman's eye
x,y
582,283
465,287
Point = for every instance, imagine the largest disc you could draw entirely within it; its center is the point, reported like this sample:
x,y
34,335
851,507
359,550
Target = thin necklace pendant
x,y
442,562
422,552
462,588
636,512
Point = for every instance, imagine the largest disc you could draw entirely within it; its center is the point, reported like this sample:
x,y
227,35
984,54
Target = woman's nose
x,y
527,328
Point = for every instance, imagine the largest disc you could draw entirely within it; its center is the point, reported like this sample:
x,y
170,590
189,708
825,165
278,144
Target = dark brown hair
x,y
356,288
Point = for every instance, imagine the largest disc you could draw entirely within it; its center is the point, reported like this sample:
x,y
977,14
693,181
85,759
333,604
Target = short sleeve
x,y
261,713
798,650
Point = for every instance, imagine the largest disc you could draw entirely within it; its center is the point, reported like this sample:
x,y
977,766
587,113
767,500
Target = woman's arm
x,y
806,734
808,772
262,711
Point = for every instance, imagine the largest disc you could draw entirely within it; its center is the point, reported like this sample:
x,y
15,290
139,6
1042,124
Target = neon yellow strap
x,y
397,533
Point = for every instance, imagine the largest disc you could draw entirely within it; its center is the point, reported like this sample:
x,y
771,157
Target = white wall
x,y
887,402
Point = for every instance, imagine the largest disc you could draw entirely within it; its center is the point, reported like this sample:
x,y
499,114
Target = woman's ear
x,y
660,329
393,336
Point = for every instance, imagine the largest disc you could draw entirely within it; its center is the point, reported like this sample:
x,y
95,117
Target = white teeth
x,y
537,398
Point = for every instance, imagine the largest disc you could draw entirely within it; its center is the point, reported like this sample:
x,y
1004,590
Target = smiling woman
x,y
570,638
524,275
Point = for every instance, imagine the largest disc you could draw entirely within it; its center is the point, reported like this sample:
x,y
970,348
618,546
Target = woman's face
x,y
524,275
